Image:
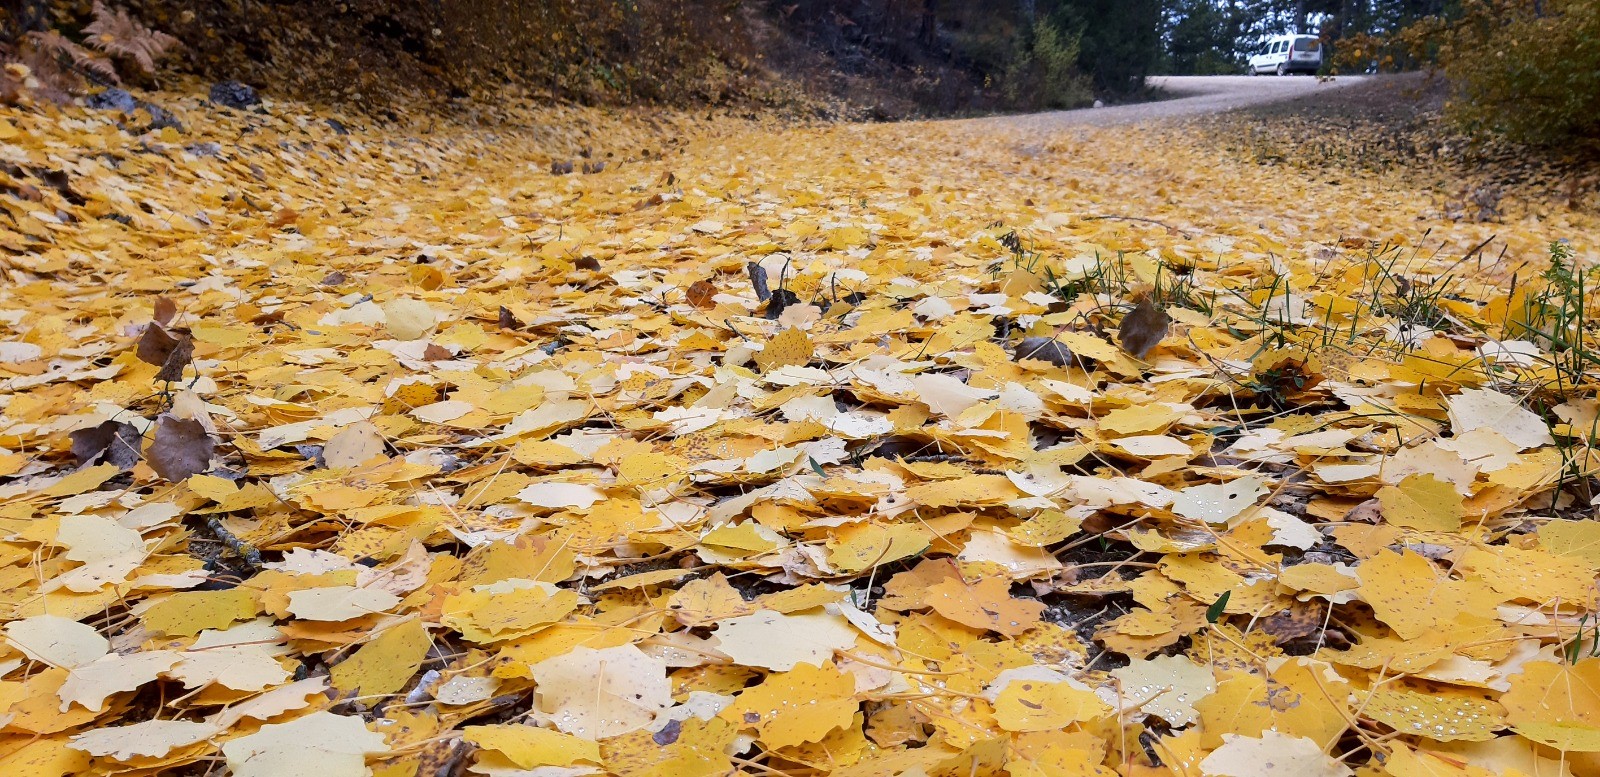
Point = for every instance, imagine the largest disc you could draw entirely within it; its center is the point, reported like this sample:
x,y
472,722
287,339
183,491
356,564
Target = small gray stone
x,y
234,94
112,99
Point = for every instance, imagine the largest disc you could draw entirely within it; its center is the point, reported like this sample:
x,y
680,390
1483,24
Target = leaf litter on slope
x,y
525,470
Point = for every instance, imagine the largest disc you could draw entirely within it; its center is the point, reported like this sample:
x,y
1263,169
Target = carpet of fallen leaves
x,y
960,449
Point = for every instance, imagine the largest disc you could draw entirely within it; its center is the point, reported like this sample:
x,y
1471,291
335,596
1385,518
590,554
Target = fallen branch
x,y
1140,219
244,550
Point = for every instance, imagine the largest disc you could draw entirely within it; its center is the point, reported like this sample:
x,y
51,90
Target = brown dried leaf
x,y
1143,327
155,345
1045,349
700,294
114,442
165,310
181,448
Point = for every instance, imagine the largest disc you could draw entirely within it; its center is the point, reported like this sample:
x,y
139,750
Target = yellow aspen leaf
x,y
385,664
841,747
37,710
409,319
92,683
1422,502
229,496
1308,700
45,757
649,469
972,490
776,641
532,746
986,604
795,707
1167,687
57,641
747,536
1409,594
643,579
1405,762
224,336
1578,539
1489,409
513,400
273,703
353,446
602,693
1048,527
1060,761
1139,419
707,600
791,347
802,598
545,454
1034,705
1531,575
187,613
339,602
1088,345
321,743
680,749
1298,699
498,489
560,638
1218,502
149,739
1145,623
1321,579
1557,704
83,480
506,610
856,548
1438,713
1272,755
528,558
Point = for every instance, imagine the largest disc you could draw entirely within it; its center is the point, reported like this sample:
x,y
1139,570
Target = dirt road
x,y
1192,96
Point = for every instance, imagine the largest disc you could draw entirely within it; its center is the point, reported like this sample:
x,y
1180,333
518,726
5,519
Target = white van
x,y
1285,54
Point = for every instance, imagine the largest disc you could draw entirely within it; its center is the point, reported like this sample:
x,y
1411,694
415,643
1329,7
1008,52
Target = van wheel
x,y
1283,70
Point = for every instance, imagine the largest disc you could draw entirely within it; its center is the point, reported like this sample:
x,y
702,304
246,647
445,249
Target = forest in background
x,y
1525,68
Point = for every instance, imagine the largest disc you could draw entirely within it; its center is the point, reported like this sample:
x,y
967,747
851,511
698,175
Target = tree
x,y
1121,40
1528,69
1202,38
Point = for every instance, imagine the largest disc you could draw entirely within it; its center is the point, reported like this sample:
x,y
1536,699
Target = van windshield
x,y
1307,44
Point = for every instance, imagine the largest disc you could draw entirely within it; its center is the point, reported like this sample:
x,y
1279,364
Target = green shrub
x,y
1043,73
1526,69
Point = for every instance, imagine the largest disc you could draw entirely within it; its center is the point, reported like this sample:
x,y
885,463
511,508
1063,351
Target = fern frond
x,y
118,34
53,47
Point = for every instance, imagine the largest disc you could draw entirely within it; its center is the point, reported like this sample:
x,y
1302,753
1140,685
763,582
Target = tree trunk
x,y
928,28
